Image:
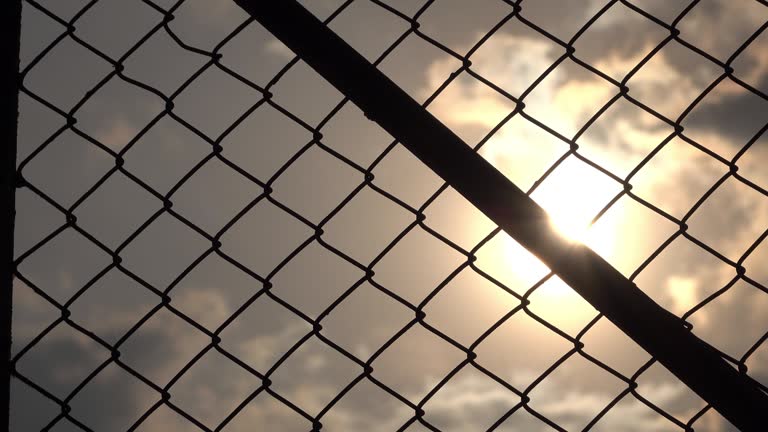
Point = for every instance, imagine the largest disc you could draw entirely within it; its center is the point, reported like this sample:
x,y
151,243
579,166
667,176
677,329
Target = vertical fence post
x,y
659,332
10,22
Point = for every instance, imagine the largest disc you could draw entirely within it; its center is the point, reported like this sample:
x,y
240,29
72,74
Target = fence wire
x,y
264,190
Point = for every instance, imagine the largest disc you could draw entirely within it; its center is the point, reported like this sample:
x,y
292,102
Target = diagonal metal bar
x,y
659,332
9,100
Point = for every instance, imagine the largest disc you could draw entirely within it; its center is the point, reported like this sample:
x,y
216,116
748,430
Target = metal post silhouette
x,y
9,98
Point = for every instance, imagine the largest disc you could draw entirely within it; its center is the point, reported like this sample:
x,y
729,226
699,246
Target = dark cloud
x,y
60,363
737,116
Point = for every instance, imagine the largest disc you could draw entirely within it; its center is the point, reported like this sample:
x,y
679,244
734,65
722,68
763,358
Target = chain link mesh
x,y
263,192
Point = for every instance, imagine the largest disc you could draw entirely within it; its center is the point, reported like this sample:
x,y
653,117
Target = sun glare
x,y
572,196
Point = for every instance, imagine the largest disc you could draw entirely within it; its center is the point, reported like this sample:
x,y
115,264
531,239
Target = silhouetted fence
x,y
722,380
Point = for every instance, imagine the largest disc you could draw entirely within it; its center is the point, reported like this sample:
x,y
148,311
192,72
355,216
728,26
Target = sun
x,y
573,195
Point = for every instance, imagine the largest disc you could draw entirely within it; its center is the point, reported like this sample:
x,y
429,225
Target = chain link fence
x,y
316,226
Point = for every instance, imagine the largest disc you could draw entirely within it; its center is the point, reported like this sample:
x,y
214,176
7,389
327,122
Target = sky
x,y
309,212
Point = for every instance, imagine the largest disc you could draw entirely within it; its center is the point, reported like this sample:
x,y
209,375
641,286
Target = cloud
x,y
277,48
684,293
213,9
116,134
313,375
31,314
732,218
731,23
61,361
472,401
731,113
511,62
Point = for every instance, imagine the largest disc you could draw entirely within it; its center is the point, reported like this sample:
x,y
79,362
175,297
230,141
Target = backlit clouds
x,y
673,179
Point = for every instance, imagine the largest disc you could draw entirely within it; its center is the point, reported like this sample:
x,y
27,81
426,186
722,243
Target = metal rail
x,y
659,332
9,100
